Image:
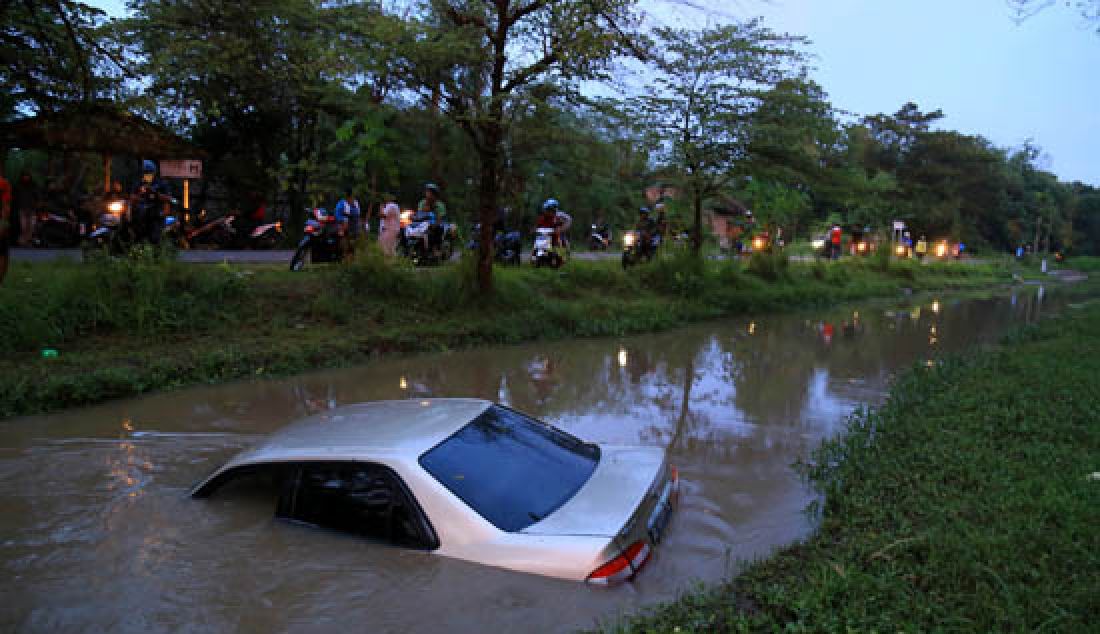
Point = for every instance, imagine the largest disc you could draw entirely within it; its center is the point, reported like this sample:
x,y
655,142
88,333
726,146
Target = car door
x,y
365,499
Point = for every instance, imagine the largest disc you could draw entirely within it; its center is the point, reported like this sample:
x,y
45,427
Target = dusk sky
x,y
991,76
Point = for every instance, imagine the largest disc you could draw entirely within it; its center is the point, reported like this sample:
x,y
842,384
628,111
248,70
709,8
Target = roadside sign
x,y
899,225
181,169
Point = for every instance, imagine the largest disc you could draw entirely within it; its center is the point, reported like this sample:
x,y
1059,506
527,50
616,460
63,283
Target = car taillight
x,y
309,229
623,567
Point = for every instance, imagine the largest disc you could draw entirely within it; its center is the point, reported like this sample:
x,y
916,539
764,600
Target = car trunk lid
x,y
617,500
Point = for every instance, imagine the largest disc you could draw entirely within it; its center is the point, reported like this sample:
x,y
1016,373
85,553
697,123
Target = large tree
x,y
699,105
482,61
261,85
52,52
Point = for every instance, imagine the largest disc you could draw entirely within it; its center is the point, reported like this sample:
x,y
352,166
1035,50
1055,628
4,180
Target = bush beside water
x,y
132,325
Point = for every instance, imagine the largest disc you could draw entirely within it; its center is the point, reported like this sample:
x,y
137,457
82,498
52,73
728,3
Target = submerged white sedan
x,y
468,479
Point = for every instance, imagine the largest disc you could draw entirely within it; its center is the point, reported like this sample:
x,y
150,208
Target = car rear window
x,y
511,469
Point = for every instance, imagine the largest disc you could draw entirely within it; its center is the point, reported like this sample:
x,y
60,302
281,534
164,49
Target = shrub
x,y
771,266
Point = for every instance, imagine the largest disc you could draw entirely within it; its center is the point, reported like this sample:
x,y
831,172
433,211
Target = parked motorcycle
x,y
412,239
637,250
54,230
600,238
230,232
506,244
323,240
544,253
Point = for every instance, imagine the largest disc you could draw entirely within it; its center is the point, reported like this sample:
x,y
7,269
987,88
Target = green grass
x,y
965,503
140,324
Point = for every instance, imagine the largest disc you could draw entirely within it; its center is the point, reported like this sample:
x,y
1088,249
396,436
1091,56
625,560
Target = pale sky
x,y
991,76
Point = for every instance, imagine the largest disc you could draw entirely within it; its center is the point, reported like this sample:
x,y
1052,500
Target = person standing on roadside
x,y
835,235
390,226
5,221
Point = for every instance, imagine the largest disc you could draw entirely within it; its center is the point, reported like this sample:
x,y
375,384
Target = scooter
x,y
56,231
544,253
412,239
111,231
506,244
637,250
600,238
322,241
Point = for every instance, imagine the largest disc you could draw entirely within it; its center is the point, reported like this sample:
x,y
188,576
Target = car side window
x,y
364,499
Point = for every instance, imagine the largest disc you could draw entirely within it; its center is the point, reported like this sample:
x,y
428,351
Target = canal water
x,y
97,533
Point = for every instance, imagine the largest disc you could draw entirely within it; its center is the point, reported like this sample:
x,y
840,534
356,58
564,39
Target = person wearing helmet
x,y
432,207
552,217
151,204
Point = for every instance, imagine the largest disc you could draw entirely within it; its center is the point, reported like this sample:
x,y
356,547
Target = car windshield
x,y
511,469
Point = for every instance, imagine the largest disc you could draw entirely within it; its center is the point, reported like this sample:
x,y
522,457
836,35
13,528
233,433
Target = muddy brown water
x,y
97,533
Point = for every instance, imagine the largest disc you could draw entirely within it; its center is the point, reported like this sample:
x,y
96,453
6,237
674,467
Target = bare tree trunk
x,y
488,195
433,140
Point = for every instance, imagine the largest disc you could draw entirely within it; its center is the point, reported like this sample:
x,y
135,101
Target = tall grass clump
x,y
141,294
769,265
679,273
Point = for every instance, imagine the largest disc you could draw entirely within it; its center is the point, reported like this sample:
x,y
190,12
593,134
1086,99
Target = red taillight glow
x,y
623,567
309,229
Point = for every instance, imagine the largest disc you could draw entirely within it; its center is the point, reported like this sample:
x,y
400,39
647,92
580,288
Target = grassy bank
x,y
969,502
126,327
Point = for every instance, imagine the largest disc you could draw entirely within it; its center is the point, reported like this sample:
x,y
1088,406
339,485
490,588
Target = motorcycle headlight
x,y
628,239
116,206
899,250
941,250
862,246
758,243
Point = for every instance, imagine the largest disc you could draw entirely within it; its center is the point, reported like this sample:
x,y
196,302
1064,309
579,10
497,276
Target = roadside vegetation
x,y
968,502
130,326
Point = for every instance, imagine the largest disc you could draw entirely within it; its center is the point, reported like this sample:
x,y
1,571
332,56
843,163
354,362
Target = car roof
x,y
358,432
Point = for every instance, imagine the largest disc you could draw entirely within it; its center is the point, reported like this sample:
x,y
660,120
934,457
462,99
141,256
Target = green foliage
x,y
125,327
769,265
140,295
54,53
695,108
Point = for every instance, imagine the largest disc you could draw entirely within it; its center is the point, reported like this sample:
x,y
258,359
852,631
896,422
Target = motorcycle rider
x,y
554,218
432,207
151,203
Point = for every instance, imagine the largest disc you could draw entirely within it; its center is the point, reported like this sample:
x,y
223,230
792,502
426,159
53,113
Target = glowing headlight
x,y
861,246
818,244
941,249
628,239
900,251
116,206
406,218
758,243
